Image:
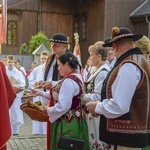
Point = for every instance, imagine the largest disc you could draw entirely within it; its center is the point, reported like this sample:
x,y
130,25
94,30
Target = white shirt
x,y
23,69
50,72
68,90
33,75
123,90
17,75
16,114
111,65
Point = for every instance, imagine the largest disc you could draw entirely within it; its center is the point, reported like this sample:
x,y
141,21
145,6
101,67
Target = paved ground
x,y
25,140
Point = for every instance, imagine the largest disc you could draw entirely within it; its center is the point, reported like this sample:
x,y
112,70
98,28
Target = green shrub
x,y
37,40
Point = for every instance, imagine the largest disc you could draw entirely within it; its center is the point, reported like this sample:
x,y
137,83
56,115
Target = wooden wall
x,y
53,16
95,24
27,26
34,16
57,16
117,14
140,25
105,14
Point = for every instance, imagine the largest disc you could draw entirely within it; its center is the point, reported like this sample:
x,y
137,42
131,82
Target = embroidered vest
x,y
90,84
76,108
131,129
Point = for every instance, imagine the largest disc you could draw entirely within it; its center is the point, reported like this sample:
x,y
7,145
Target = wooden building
x,y
92,19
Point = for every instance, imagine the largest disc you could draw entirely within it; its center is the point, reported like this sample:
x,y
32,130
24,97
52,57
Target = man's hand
x,y
90,106
18,88
46,85
38,84
43,84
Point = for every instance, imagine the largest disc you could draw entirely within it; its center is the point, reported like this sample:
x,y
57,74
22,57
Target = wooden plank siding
x,y
141,27
52,23
28,5
52,16
117,13
95,24
50,19
26,28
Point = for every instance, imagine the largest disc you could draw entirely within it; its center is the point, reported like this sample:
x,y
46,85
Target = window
x,y
84,26
76,23
80,25
12,33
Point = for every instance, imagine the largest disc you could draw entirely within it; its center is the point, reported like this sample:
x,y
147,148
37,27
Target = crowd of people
x,y
106,109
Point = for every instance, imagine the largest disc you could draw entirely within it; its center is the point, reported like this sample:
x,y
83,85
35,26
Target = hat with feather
x,y
120,33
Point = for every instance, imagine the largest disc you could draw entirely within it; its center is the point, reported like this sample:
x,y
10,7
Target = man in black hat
x,y
59,44
125,105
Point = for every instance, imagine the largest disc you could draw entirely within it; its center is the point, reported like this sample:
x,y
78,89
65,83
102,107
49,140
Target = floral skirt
x,y
75,128
93,127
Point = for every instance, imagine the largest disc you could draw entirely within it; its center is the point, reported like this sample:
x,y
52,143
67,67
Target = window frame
x,y
10,30
80,25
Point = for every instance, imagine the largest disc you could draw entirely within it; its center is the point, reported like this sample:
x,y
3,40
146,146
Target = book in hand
x,y
14,81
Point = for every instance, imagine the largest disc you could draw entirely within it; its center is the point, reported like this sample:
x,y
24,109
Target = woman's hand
x,y
43,109
35,93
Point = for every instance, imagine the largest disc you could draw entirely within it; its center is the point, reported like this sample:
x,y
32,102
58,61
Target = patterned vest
x,y
91,83
77,107
131,129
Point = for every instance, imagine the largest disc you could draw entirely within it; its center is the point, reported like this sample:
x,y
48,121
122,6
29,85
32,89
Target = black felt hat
x,y
107,40
59,38
120,33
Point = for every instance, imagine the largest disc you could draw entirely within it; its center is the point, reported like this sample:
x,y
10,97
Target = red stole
x,y
7,96
48,123
28,72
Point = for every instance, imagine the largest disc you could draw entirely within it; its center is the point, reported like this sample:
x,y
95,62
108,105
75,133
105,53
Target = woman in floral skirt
x,y
66,113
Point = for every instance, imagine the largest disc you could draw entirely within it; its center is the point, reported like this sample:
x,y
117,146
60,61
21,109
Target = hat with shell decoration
x,y
59,38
